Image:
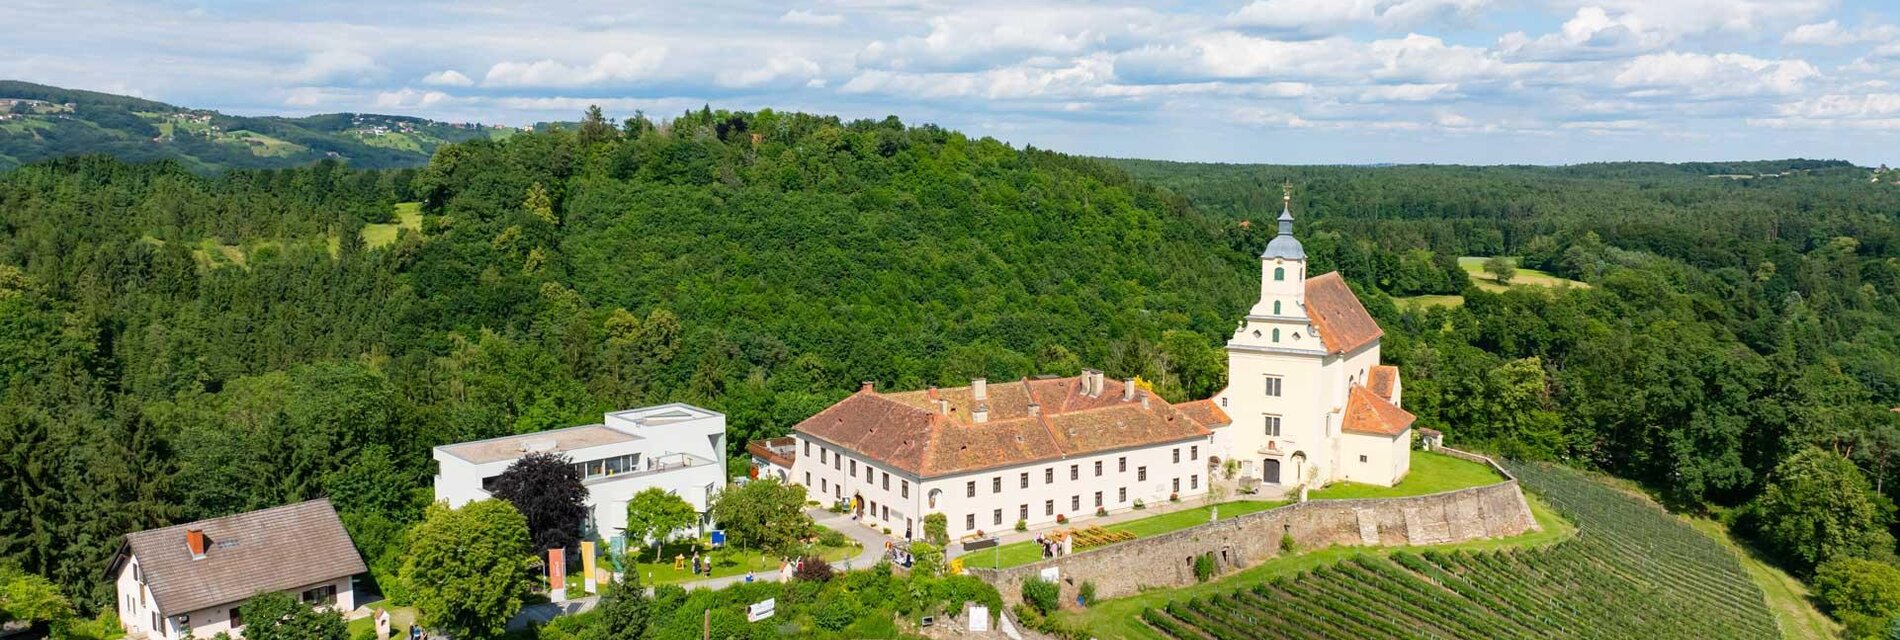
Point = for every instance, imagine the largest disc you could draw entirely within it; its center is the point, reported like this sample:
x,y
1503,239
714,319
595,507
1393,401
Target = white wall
x,y
1388,458
136,617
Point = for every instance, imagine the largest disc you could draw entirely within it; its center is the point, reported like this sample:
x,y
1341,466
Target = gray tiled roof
x,y
273,549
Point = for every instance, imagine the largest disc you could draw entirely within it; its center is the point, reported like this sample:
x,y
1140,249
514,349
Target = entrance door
x,y
1270,471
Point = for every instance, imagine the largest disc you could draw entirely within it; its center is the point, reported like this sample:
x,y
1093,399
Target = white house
x,y
1310,402
188,580
677,447
990,455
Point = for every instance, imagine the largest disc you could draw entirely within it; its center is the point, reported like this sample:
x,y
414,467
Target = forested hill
x,y
38,121
176,345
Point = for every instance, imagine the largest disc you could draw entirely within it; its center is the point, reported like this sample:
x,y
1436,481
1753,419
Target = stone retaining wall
x,y
1167,560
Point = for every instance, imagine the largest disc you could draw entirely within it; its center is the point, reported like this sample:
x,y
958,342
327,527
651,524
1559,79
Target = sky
x,y
1282,81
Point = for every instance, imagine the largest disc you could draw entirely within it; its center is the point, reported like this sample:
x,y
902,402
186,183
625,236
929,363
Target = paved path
x,y
873,542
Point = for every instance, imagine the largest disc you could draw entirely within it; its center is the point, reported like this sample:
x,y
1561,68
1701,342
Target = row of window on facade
x,y
608,466
1075,504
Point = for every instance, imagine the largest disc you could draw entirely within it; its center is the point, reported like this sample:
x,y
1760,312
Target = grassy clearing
x,y
1120,618
408,216
726,562
1431,473
1474,265
1021,553
1787,598
1420,302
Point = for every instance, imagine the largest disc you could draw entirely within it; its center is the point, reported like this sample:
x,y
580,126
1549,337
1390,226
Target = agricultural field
x,y
1633,571
1474,266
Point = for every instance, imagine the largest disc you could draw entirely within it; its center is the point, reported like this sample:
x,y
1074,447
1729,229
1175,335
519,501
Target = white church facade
x,y
1307,404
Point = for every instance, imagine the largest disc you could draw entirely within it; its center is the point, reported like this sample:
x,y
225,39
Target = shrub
x,y
887,531
813,569
1085,594
1062,518
937,529
1101,511
1203,567
1022,525
835,610
1041,594
1287,545
1863,594
1139,504
833,538
928,559
1174,497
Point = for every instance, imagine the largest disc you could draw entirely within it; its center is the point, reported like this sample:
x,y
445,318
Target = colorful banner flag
x,y
588,579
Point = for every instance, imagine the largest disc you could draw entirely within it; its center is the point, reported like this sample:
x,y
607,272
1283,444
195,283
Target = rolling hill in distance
x,y
39,121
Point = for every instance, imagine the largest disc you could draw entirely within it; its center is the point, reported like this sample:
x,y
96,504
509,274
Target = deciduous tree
x,y
547,490
468,568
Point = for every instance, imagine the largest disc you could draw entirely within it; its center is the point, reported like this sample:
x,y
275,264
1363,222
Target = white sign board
x,y
979,618
761,610
1051,575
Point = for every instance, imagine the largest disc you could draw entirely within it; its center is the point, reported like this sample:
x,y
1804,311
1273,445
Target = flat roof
x,y
554,441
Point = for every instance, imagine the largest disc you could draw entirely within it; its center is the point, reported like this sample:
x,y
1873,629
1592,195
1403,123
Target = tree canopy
x,y
547,490
654,515
279,616
468,568
763,514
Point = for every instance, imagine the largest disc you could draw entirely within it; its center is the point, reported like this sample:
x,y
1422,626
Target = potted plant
x,y
1062,519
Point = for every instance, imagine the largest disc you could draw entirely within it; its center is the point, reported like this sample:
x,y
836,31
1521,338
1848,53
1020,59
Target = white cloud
x,y
1409,92
614,67
780,70
1593,33
1696,75
975,39
1832,34
409,98
333,65
1872,105
811,19
447,78
1327,17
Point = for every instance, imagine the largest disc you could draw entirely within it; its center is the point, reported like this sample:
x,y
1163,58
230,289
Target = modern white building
x,y
1310,402
189,580
677,447
987,456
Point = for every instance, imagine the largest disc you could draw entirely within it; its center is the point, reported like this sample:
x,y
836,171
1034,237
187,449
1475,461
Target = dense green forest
x,y
763,264
63,122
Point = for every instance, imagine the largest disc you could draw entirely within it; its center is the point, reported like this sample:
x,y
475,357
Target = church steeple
x,y
1285,246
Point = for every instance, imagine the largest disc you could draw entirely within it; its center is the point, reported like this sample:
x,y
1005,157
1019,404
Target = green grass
x,y
1120,617
408,216
1420,302
1021,553
1474,265
726,562
400,619
1431,473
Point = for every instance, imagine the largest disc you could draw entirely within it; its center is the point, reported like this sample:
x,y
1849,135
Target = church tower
x,y
1283,271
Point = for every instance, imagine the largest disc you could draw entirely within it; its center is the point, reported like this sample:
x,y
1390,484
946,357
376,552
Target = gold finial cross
x,y
1287,191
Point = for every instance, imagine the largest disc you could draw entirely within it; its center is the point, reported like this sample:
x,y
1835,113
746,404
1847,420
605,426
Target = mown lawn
x,y
1420,302
726,562
1431,473
1121,617
1021,553
1474,265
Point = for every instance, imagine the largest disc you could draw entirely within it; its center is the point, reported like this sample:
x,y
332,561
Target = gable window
x,y
1273,386
1279,273
1273,425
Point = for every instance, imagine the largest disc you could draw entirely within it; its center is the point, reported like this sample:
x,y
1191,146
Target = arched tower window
x,y
1276,307
1279,273
1276,338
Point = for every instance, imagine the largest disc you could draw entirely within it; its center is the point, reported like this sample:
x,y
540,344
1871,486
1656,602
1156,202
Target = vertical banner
x,y
557,574
587,567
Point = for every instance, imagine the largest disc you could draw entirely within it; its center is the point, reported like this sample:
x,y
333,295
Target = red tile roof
x,y
1383,379
1343,323
910,432
778,451
1368,413
1205,412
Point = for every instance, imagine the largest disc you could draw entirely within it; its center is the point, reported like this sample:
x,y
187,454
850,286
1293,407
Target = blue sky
x,y
1291,81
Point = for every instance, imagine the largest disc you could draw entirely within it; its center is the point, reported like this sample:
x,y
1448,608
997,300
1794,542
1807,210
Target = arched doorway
x,y
857,505
1298,473
1270,471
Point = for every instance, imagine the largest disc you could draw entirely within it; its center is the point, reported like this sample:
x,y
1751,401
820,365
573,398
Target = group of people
x,y
1056,545
788,567
899,555
701,565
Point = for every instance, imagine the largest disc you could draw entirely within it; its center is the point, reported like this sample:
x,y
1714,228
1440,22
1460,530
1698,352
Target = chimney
x,y
1034,409
980,390
195,540
1128,389
1091,383
868,386
943,407
1144,399
981,414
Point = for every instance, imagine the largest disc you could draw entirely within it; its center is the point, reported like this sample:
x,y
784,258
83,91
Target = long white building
x,y
1308,403
677,447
